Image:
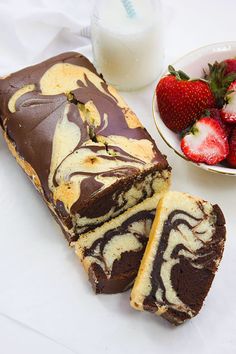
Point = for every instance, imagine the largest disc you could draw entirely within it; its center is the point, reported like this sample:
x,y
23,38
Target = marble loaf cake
x,y
81,145
184,250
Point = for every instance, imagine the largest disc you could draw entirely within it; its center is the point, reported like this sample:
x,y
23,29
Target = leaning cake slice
x,y
184,250
111,254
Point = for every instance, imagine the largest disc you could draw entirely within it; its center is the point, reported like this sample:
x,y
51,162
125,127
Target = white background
x,y
46,303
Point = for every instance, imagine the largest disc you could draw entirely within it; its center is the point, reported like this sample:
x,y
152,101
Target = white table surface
x,y
46,303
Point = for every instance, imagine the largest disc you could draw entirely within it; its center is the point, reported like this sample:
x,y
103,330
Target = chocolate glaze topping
x,y
33,137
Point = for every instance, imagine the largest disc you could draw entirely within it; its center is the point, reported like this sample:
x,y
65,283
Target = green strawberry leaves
x,y
219,81
179,74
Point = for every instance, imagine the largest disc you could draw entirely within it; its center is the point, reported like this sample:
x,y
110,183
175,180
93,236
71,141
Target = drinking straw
x,y
129,8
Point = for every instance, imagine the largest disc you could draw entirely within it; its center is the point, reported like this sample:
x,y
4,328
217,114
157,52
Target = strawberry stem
x,y
179,74
194,129
182,76
200,79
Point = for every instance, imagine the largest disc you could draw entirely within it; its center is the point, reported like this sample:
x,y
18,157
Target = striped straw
x,y
129,8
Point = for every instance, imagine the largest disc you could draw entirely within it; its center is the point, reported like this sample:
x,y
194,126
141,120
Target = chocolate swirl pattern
x,y
186,246
111,254
82,146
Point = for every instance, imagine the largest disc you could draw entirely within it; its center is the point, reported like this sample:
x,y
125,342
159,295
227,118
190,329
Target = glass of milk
x,y
127,42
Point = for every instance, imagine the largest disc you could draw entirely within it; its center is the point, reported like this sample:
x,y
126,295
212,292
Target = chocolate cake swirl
x,y
82,146
182,256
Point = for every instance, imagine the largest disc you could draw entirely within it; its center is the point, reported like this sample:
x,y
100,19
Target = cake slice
x,y
184,250
83,147
111,254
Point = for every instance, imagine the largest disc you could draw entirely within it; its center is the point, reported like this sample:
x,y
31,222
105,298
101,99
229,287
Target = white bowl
x,y
193,64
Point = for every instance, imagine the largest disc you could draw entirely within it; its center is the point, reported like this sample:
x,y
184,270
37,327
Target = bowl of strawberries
x,y
194,107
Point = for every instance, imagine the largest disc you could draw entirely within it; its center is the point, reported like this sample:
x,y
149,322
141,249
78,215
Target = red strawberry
x,y
228,112
181,101
206,142
231,158
216,114
230,66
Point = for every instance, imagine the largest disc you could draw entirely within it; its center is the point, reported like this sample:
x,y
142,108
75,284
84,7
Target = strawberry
x,y
228,112
206,142
181,101
219,80
216,114
230,66
231,158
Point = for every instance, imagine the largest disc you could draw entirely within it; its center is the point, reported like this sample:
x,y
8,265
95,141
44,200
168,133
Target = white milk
x,y
127,51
